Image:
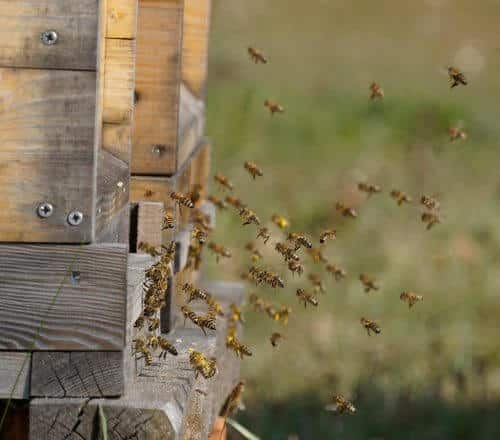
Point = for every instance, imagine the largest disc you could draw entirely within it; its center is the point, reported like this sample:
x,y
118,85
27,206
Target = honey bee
x,y
273,107
431,219
233,402
286,252
299,240
411,298
148,193
274,338
201,219
194,293
280,221
139,346
370,326
456,134
199,235
139,322
206,367
400,197
234,344
317,255
235,202
337,272
207,321
214,306
259,305
328,234
189,314
248,217
152,342
252,248
317,282
181,199
345,210
219,251
429,202
148,249
195,193
256,56
369,188
341,405
456,77
166,347
169,251
253,169
368,283
154,324
223,181
306,298
260,276
168,221
376,91
218,203
265,234
295,267
282,314
236,314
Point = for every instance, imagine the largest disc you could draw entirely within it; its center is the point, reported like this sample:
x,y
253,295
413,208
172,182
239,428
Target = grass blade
x,y
241,429
103,424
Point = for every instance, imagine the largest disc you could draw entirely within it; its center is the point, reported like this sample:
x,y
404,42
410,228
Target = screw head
x,y
158,150
75,218
45,210
49,37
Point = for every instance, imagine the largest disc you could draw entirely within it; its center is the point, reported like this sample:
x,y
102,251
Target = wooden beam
x,y
149,223
121,19
15,367
55,297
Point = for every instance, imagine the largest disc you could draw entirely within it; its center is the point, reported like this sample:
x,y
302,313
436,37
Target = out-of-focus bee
x,y
219,251
286,252
233,402
258,304
235,202
200,219
328,234
206,367
154,324
345,210
317,255
194,257
376,91
148,249
280,221
337,272
274,338
431,219
400,197
341,405
236,314
214,306
139,322
456,134
168,221
189,314
248,217
270,278
194,293
306,298
369,188
199,235
181,199
368,283
283,314
140,347
411,298
195,193
295,267
273,107
223,181
429,202
253,169
169,250
218,203
252,248
234,344
299,240
317,282
370,325
456,77
265,234
166,347
256,55
148,193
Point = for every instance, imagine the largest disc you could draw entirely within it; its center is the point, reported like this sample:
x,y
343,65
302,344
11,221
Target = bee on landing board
x,y
370,325
206,367
411,298
253,169
456,77
273,107
256,55
376,91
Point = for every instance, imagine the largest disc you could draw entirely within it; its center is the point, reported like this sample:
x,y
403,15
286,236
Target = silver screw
x,y
75,218
45,209
49,37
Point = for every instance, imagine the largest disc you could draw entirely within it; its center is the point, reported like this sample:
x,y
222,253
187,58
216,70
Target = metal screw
x,y
49,37
45,210
75,218
75,277
158,150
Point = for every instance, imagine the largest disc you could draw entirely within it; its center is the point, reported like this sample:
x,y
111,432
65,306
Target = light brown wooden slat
x,y
12,365
117,140
46,153
149,222
121,19
88,313
23,21
160,187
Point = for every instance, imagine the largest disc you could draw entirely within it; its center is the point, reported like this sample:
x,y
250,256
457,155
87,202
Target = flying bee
x,y
148,249
258,304
189,314
328,234
317,255
154,324
181,199
368,283
306,298
283,314
273,107
286,252
234,400
236,314
219,251
273,280
206,367
169,250
411,298
317,282
345,210
166,347
376,91
235,345
400,197
369,188
235,202
256,56
299,240
168,221
429,202
280,221
152,342
456,134
265,234
218,203
148,193
370,325
274,338
341,405
139,322
431,219
194,293
207,321
295,267
223,181
456,77
337,272
214,306
140,347
253,169
248,217
252,248
199,235
195,193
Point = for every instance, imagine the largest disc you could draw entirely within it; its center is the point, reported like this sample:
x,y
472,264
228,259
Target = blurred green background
x,y
434,371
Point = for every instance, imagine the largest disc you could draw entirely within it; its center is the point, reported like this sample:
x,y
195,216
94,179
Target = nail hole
x,y
75,277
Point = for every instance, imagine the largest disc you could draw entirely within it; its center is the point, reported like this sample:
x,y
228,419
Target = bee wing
x,y
331,407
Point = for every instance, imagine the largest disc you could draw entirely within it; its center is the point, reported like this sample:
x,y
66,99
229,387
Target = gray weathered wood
x,y
88,313
14,366
77,374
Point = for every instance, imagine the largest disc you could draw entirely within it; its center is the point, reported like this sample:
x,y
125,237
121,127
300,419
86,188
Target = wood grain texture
x,y
121,19
89,311
46,153
77,374
23,21
152,189
158,75
149,223
195,44
117,140
12,365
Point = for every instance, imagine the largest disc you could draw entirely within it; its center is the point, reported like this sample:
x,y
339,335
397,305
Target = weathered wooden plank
x,y
14,366
195,44
22,23
117,140
201,168
62,297
149,223
77,374
121,19
152,189
46,154
158,76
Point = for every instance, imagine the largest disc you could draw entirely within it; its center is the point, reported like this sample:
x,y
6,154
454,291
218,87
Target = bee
x,y
368,283
306,298
233,402
154,324
256,56
223,181
376,91
429,202
317,282
274,338
181,199
299,240
213,306
337,272
265,234
295,267
253,169
248,217
148,249
234,344
169,251
456,134
168,221
195,193
199,235
152,342
370,325
139,346
400,197
148,193
219,251
207,321
260,275
139,322
259,305
194,293
431,219
201,219
252,248
236,314
317,255
345,210
328,234
203,393
206,367
456,77
288,253
274,280
235,202
280,221
411,298
341,405
273,107
218,203
369,188
189,314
